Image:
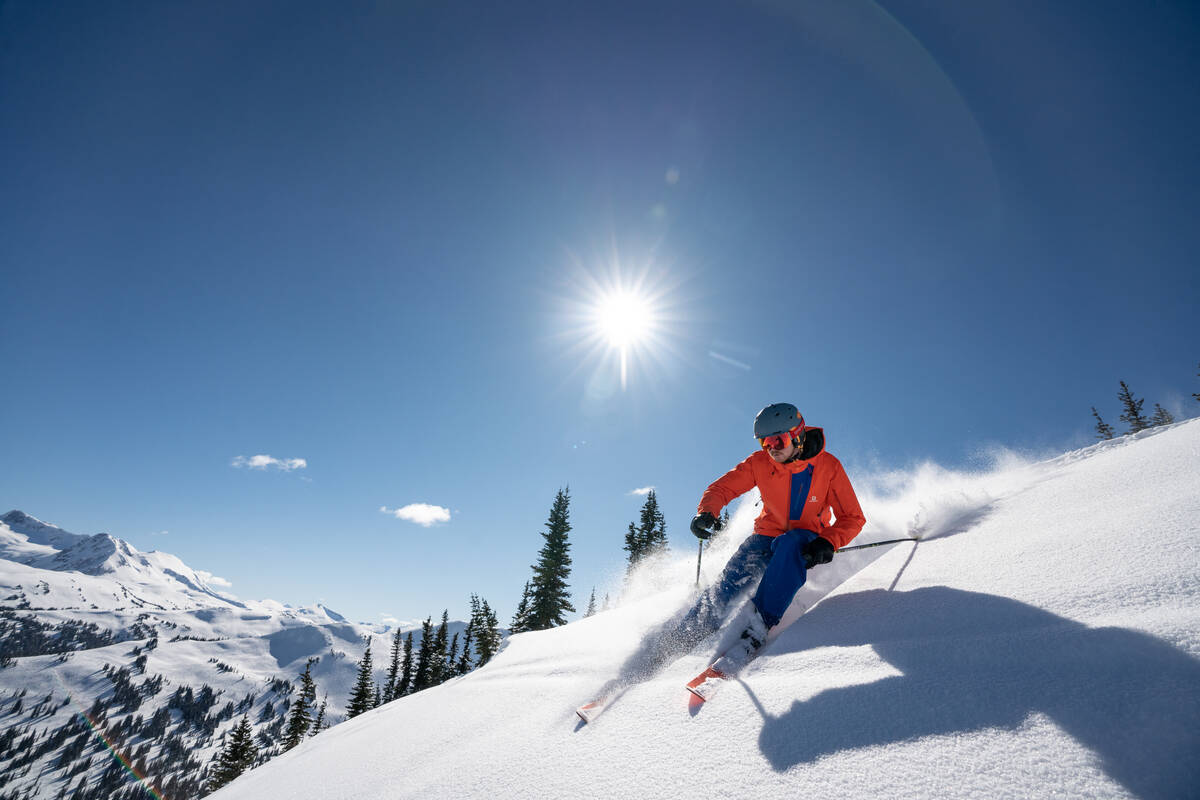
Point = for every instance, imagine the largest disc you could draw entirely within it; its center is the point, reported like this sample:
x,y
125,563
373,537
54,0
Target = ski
x,y
727,666
589,711
706,684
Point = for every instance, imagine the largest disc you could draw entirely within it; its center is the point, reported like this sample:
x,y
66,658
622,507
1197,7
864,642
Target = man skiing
x,y
809,510
804,489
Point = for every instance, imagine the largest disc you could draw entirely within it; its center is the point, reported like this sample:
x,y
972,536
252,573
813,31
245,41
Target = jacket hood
x,y
814,444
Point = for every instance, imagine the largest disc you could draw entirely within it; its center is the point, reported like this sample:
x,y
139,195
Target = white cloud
x,y
388,619
645,490
264,462
213,580
422,514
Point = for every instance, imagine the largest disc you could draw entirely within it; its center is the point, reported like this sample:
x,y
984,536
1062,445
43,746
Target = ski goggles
x,y
778,441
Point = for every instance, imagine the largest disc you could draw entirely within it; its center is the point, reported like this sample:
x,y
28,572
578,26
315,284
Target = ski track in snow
x,y
1043,640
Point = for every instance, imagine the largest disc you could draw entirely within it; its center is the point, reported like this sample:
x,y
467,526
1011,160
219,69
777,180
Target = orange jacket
x,y
805,493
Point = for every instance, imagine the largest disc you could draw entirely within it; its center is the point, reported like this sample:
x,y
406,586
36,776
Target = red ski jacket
x,y
807,492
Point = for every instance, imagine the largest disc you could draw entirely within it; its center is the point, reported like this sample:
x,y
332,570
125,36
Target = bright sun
x,y
624,318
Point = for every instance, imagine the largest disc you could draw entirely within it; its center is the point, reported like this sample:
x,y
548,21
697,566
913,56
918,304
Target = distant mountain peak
x,y
18,517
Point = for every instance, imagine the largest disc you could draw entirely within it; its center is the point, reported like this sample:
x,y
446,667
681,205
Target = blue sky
x,y
367,236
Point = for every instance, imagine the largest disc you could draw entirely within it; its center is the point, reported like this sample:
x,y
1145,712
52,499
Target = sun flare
x,y
624,318
619,324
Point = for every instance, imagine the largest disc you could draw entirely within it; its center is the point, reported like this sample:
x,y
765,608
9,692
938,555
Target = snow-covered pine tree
x,y
549,599
389,688
1161,416
362,697
237,756
422,673
300,714
1132,415
452,658
1103,429
591,609
520,620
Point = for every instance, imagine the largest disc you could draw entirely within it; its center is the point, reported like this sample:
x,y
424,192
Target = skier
x,y
804,488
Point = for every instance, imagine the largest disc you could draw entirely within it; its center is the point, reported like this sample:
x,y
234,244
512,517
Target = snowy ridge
x,y
85,618
1043,639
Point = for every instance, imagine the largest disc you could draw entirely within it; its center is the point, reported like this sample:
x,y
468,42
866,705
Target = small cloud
x,y
159,533
645,490
213,580
388,619
265,462
422,514
672,176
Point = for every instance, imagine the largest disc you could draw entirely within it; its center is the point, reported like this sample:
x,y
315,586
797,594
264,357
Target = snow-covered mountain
x,y
1042,640
92,617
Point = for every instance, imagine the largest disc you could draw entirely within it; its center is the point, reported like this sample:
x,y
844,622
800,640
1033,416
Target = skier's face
x,y
784,453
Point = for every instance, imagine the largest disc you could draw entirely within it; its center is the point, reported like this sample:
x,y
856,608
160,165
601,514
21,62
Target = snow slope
x,y
1042,641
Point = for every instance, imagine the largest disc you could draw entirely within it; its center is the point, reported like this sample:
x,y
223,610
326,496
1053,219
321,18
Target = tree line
x,y
1133,416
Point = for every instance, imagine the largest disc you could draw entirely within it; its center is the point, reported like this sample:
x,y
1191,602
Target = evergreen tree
x,y
491,632
452,658
463,666
520,620
300,714
1103,429
652,532
422,674
649,537
1133,410
362,697
606,605
591,609
319,722
389,689
486,631
404,686
437,663
1161,416
237,757
633,546
549,599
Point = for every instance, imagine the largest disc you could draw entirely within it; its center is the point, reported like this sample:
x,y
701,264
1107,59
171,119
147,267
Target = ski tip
x,y
712,673
704,684
589,711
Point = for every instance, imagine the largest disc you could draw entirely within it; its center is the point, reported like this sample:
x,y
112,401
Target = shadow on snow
x,y
972,661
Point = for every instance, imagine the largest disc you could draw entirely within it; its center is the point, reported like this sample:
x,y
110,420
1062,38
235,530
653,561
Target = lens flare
x,y
624,318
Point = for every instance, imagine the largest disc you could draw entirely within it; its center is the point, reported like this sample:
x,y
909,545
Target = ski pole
x,y
699,555
877,544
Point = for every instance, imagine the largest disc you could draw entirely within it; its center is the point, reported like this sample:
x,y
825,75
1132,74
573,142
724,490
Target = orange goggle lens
x,y
778,441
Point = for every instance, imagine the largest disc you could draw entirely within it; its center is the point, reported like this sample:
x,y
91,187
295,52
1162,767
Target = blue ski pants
x,y
777,563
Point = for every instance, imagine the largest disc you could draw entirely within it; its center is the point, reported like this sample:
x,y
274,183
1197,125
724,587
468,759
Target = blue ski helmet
x,y
777,418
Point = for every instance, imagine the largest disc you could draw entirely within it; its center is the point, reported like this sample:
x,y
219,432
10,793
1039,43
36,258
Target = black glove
x,y
705,525
818,551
